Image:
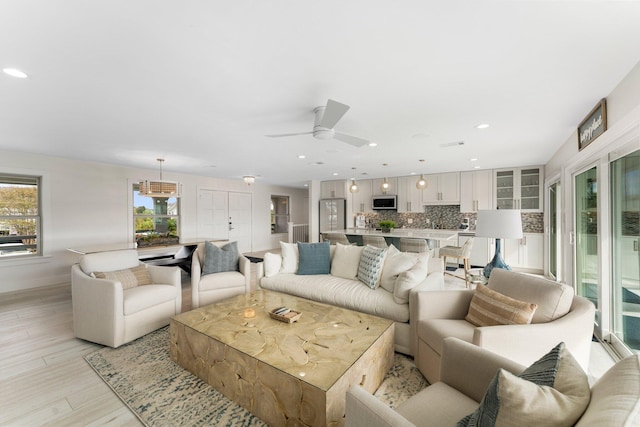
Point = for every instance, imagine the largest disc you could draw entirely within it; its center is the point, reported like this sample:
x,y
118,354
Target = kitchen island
x,y
439,237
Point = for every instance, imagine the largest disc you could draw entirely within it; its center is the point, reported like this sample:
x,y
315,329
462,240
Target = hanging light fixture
x,y
353,187
160,188
248,179
384,187
422,183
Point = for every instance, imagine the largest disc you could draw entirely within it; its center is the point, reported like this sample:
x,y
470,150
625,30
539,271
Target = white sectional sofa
x,y
403,276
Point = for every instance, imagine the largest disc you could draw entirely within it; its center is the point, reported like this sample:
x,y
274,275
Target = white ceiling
x,y
200,83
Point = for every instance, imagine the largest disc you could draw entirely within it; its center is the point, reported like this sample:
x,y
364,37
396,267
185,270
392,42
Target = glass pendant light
x,y
353,187
422,183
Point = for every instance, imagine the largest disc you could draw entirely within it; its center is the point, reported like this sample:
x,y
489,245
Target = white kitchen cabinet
x,y
377,187
476,190
333,189
519,188
526,253
409,196
361,201
442,189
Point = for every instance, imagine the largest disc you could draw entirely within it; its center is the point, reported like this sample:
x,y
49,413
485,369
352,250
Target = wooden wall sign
x,y
593,125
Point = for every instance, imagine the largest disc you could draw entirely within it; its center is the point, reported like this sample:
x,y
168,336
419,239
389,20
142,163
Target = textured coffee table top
x,y
319,348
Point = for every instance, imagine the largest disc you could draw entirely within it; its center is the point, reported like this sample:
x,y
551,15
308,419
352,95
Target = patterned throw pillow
x,y
552,392
490,308
217,260
130,277
314,258
370,267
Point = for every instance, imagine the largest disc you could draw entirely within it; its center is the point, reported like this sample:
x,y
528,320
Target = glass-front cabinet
x,y
519,188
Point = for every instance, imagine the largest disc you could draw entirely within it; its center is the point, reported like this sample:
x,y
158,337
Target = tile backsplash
x,y
446,217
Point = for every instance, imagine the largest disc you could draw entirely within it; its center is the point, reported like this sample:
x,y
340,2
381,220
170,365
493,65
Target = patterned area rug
x,y
161,393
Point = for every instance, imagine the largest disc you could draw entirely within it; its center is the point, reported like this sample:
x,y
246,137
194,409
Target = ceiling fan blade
x,y
280,135
333,112
352,140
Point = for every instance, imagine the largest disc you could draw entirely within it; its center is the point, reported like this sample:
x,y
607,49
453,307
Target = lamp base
x,y
497,261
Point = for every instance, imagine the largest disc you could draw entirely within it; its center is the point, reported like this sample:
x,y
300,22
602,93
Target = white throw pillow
x,y
289,257
409,280
346,259
272,264
396,262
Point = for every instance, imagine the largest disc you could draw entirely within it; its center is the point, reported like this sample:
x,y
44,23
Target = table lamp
x,y
498,224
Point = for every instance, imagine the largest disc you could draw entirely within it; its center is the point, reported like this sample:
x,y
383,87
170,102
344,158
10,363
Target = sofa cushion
x,y
410,279
129,277
313,258
553,299
490,308
340,292
615,397
272,264
395,262
439,403
142,297
434,331
553,392
225,279
219,259
289,253
346,259
370,266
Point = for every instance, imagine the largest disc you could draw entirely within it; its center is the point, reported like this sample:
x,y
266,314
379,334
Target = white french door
x,y
225,215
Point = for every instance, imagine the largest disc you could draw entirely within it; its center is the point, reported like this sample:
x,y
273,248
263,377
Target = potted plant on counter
x,y
386,225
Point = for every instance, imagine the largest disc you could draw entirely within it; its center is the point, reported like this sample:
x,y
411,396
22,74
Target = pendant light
x,y
160,188
353,187
384,187
422,183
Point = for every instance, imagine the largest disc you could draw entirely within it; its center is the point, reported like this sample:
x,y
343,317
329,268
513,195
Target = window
x,y
279,214
155,219
20,222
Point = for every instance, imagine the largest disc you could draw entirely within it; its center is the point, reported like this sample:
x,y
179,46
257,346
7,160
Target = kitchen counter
x,y
431,234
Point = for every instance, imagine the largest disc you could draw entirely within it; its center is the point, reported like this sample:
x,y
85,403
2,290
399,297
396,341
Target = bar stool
x,y
458,252
412,244
334,238
375,241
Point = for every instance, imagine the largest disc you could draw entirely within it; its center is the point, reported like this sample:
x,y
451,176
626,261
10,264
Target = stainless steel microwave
x,y
385,202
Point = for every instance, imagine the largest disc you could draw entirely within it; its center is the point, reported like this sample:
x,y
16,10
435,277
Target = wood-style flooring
x,y
45,381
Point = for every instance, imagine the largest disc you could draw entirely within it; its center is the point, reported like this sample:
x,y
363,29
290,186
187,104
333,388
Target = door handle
x,y
635,246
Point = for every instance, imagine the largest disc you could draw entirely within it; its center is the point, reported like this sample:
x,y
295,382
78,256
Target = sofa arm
x,y
444,304
98,308
165,275
365,410
527,343
244,265
259,272
469,368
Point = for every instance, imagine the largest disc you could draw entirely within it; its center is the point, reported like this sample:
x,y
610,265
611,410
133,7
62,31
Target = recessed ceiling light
x,y
302,156
15,73
482,126
316,163
412,173
373,144
335,174
305,185
473,159
476,167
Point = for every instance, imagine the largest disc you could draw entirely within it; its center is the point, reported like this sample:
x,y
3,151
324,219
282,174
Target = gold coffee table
x,y
284,373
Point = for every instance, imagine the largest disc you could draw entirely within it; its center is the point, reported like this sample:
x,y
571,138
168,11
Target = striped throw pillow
x,y
490,308
130,277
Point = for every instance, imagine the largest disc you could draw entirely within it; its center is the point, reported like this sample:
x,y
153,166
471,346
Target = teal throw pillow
x,y
220,259
314,258
370,267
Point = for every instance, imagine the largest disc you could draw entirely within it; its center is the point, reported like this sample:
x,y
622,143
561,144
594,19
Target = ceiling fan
x,y
325,120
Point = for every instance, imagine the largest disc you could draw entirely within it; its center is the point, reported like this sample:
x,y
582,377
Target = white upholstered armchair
x,y
215,287
115,310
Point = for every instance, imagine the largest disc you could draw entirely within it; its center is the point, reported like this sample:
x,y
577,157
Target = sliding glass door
x,y
625,254
586,237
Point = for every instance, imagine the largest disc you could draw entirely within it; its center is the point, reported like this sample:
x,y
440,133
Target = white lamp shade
x,y
499,224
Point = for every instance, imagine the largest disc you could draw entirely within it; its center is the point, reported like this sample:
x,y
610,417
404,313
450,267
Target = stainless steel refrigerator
x,y
332,215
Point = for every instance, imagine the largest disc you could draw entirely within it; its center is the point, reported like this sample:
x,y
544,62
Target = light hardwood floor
x,y
45,381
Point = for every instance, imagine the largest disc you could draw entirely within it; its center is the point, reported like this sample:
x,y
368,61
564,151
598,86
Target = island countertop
x,y
418,233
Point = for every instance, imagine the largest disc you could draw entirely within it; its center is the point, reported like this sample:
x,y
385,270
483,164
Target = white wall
x,y
620,102
87,204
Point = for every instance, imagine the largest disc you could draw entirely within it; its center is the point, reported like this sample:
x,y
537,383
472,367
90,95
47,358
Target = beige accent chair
x,y
106,313
215,287
458,252
410,244
561,316
467,371
375,241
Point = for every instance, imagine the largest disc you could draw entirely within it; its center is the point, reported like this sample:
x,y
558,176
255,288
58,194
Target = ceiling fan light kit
x,y
159,188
